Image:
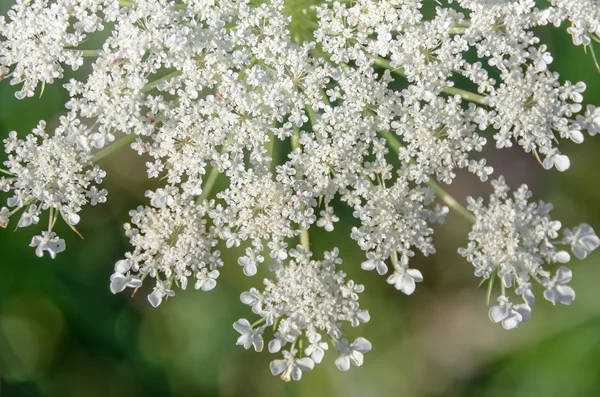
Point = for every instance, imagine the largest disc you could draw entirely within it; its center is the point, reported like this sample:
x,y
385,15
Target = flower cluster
x,y
307,302
296,109
171,243
513,239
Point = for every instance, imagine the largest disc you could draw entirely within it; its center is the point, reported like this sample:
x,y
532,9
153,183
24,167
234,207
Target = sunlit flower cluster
x,y
259,119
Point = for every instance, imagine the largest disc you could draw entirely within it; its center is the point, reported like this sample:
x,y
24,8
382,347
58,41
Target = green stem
x,y
209,184
437,188
2,170
593,52
466,95
152,85
271,149
457,30
90,53
451,201
304,235
115,146
258,322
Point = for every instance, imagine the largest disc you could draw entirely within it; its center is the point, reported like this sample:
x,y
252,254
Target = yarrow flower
x,y
258,125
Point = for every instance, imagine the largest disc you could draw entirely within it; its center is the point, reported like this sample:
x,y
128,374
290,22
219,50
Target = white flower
x,y
4,216
206,280
290,367
250,337
557,290
250,262
374,261
404,279
582,239
327,219
316,349
353,353
48,241
510,315
160,291
121,278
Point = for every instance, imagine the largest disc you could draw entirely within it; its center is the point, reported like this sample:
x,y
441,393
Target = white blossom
x,y
369,98
351,353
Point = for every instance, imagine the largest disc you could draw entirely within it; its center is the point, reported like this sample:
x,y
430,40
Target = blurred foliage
x,y
62,333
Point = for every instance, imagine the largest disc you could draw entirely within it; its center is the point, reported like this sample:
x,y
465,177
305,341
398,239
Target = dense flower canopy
x,y
362,96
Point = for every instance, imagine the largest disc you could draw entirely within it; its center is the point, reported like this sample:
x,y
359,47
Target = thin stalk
x,y
271,149
115,146
466,95
304,235
490,286
437,188
537,157
209,184
593,52
457,30
258,322
2,170
152,85
89,53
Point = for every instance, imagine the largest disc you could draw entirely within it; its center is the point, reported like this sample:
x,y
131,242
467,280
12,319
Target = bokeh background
x,y
62,333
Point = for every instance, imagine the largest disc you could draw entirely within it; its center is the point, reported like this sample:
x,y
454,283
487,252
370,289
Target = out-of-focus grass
x,y
62,333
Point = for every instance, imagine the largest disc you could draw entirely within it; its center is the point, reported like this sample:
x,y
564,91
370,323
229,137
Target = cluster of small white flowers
x,y
208,90
41,36
513,239
307,301
171,243
583,15
47,173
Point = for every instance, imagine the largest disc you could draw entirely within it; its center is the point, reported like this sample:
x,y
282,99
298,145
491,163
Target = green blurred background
x,y
62,333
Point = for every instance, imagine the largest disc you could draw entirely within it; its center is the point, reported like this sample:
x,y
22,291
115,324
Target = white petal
x,y
566,294
343,363
118,283
305,364
498,313
123,266
274,346
381,268
551,295
529,297
278,366
407,285
244,340
415,274
361,345
250,269
563,275
242,326
368,265
357,358
155,298
248,298
318,355
524,310
562,257
209,284
579,251
512,321
576,136
258,343
296,373
562,162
